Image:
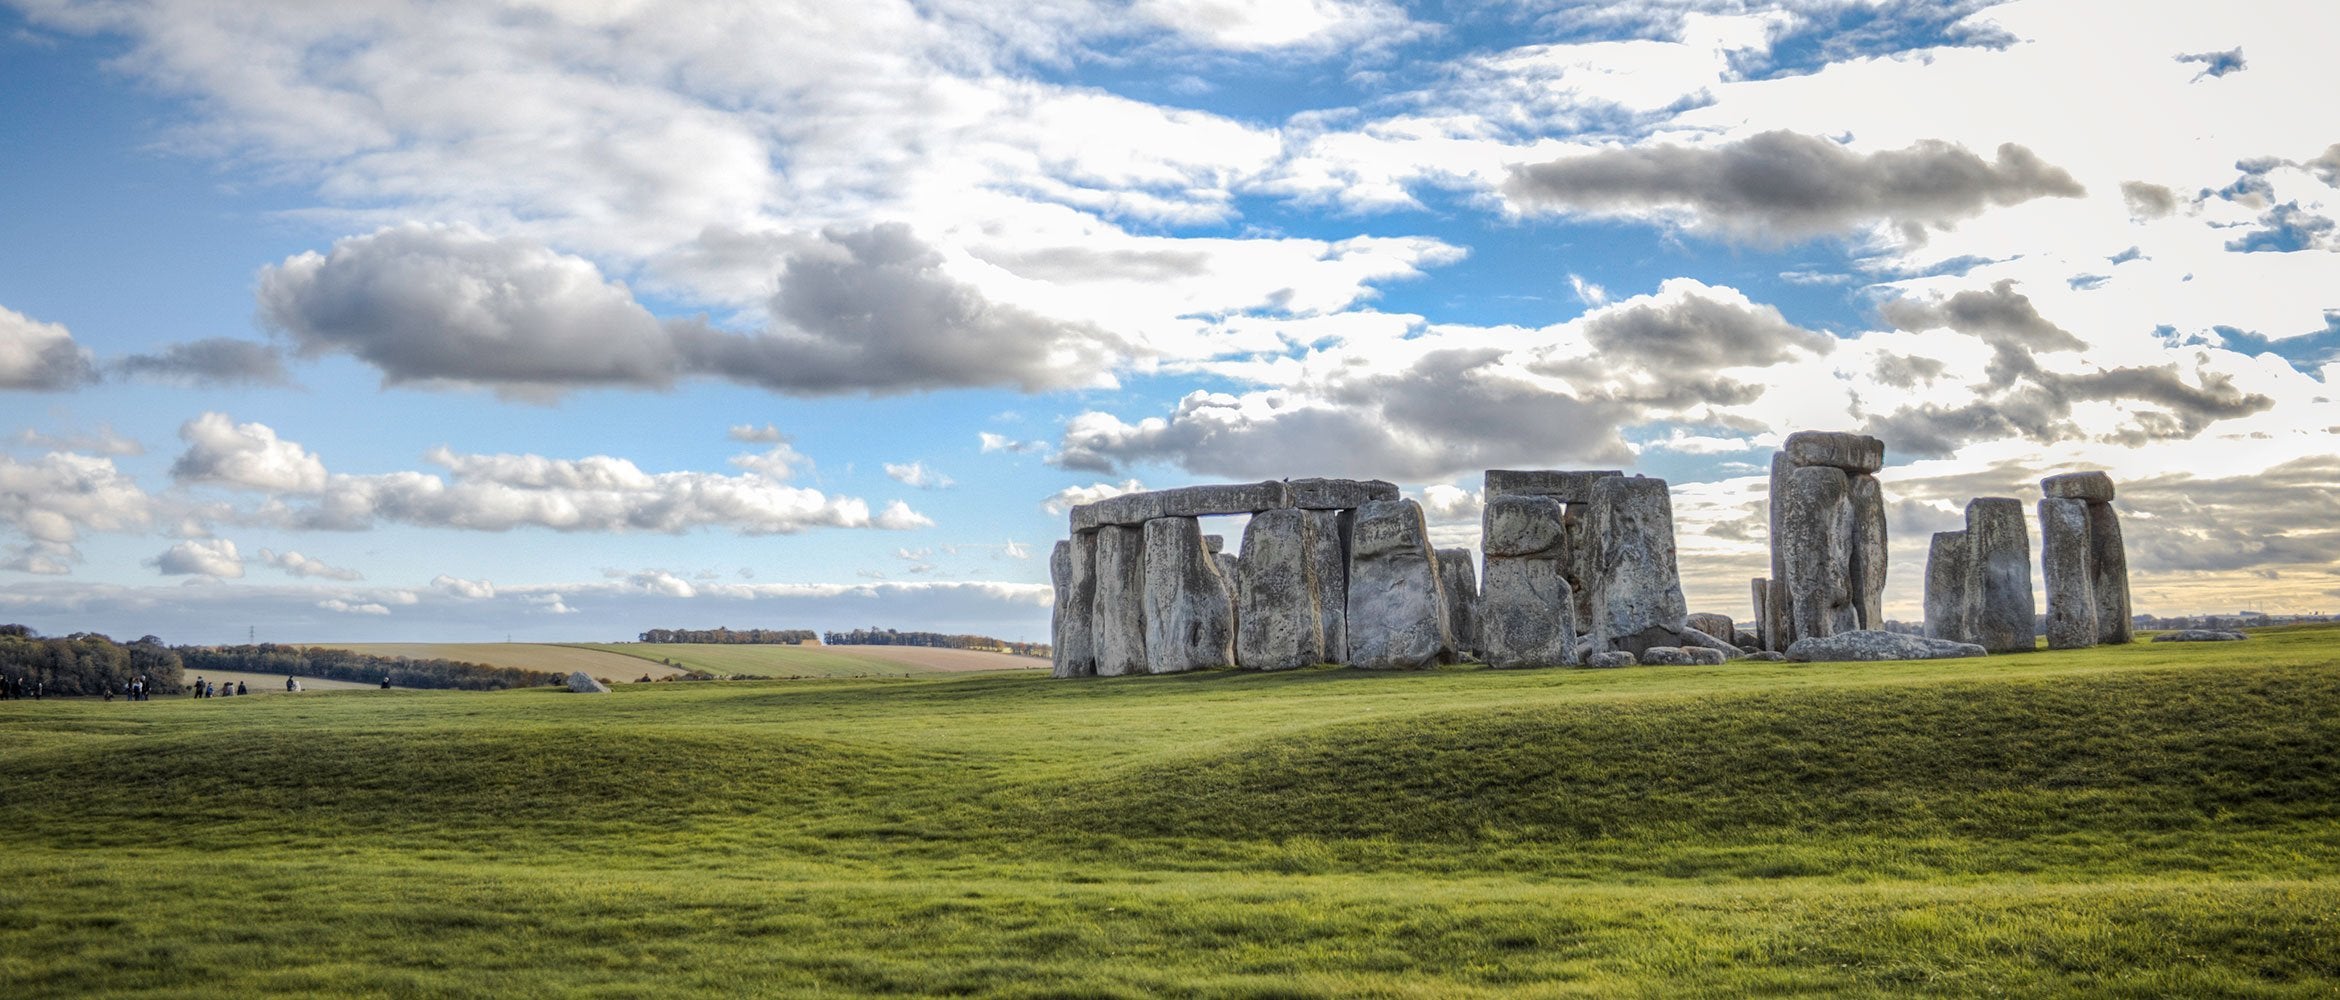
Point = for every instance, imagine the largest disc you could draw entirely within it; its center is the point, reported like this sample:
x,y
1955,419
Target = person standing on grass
x,y
241,689
289,687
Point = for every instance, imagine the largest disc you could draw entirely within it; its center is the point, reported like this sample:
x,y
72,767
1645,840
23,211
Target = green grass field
x,y
780,660
545,656
2131,822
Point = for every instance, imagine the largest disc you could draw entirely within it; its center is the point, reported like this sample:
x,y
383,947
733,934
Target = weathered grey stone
x,y
1816,527
1614,658
2000,575
1768,656
582,683
1572,486
2063,569
2078,486
1704,657
1228,567
1747,642
1522,526
1215,544
1760,591
1328,551
1690,638
1857,453
1397,617
1718,626
2108,566
1949,587
1188,501
1776,608
1780,467
1868,551
1337,494
1637,586
2200,635
1867,644
1458,582
1073,566
1576,561
1118,627
1526,615
1189,621
1276,621
1667,656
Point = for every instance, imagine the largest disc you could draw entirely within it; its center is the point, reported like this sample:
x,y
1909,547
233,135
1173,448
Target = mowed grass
x,y
2141,821
548,657
782,660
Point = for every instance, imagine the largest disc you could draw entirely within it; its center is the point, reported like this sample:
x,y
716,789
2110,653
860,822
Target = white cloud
x,y
301,565
1064,500
340,606
470,590
251,456
752,434
49,502
1000,442
103,441
40,356
917,475
215,557
1256,25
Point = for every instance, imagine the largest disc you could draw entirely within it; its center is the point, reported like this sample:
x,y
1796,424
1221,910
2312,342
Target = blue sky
x,y
568,320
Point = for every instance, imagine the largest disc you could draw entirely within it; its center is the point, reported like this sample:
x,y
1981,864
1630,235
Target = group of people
x,y
217,689
134,689
21,687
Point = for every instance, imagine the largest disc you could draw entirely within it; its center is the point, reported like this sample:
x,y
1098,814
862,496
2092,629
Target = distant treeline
x,y
749,636
86,663
347,665
932,640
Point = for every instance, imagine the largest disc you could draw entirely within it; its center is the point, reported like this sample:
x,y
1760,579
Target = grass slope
x,y
780,660
2141,821
548,657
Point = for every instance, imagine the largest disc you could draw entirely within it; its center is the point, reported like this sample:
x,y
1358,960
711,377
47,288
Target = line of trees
x,y
349,665
933,640
87,663
725,636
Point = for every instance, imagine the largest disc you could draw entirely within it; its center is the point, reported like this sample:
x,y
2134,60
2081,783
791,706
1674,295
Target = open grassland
x,y
548,657
2140,821
781,660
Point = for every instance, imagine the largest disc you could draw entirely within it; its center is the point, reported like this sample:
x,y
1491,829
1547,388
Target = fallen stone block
x,y
1613,658
1864,644
1666,656
582,683
2200,635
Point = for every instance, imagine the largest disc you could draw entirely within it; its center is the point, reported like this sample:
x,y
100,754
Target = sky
x,y
558,321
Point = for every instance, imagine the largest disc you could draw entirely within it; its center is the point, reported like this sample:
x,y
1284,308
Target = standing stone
x,y
2064,570
1527,608
2108,563
1396,617
1328,552
2000,575
1074,568
1949,593
1637,588
1777,607
1276,623
1227,564
1760,589
1189,622
1816,523
1718,626
1868,551
1573,490
1458,582
1118,626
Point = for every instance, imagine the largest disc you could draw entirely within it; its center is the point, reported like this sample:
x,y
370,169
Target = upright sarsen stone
x,y
2000,575
1397,616
1868,551
1458,582
1527,608
1189,621
1816,524
1118,626
2108,564
1276,623
1328,551
1073,567
1949,583
1637,587
2064,570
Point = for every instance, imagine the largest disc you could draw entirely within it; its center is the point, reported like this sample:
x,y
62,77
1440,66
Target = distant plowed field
x,y
818,661
543,656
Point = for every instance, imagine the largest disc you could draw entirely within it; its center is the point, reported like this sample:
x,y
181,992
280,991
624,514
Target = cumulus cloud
x,y
339,606
201,557
1263,25
1688,328
1999,316
1000,442
917,475
217,361
1788,185
250,456
51,500
598,493
470,590
301,565
1063,501
752,434
2148,201
857,310
40,356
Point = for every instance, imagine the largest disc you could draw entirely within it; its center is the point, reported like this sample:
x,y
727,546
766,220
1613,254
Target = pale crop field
x,y
781,660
